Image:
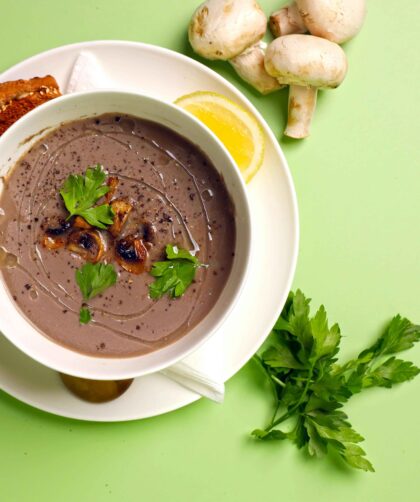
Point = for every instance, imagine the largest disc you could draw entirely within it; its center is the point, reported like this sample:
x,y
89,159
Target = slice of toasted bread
x,y
21,96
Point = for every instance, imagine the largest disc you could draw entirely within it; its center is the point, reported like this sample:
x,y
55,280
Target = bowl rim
x,y
164,362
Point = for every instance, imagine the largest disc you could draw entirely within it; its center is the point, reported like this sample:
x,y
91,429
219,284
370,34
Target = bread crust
x,y
18,97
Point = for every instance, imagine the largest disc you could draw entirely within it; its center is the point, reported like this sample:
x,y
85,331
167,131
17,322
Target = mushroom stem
x,y
287,21
250,67
302,102
306,63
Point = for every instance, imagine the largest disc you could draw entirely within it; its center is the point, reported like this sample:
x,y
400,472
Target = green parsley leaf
x,y
280,356
84,315
400,335
80,193
299,325
98,216
392,371
291,393
325,340
317,446
354,455
175,253
310,387
332,425
268,436
93,279
174,275
299,435
331,388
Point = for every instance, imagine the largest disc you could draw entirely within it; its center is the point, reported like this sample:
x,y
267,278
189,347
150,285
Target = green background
x,y
358,185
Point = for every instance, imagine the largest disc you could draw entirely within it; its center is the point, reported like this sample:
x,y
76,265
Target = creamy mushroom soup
x,y
161,191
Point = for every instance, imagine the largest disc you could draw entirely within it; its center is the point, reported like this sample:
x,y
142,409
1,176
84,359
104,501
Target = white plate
x,y
168,75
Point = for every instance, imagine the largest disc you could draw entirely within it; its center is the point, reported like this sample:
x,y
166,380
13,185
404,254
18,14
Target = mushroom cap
x,y
223,29
250,67
335,20
306,60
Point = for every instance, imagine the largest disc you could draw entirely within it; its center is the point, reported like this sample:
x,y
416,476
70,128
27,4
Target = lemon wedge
x,y
236,128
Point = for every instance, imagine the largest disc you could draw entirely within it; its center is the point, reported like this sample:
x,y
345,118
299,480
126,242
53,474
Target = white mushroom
x,y
335,20
250,67
306,63
287,21
231,30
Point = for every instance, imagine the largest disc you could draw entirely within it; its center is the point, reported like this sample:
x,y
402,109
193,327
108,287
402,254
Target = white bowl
x,y
39,122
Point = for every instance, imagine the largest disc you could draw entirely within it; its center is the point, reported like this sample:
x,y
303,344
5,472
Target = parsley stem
x,y
284,417
277,380
277,400
289,413
276,409
269,376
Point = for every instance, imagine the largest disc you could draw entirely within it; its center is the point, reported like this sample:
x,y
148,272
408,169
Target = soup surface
x,y
176,197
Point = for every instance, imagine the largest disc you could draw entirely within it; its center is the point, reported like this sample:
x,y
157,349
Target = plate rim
x,y
234,368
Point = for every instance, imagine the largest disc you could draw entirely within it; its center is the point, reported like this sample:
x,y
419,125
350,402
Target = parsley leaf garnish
x,y
92,280
310,387
84,315
80,193
174,275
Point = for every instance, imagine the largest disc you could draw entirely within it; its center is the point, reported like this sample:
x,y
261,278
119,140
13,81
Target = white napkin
x,y
200,371
87,74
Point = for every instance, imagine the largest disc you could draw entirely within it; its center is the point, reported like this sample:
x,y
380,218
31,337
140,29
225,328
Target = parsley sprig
x,y
93,279
174,275
310,387
80,193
